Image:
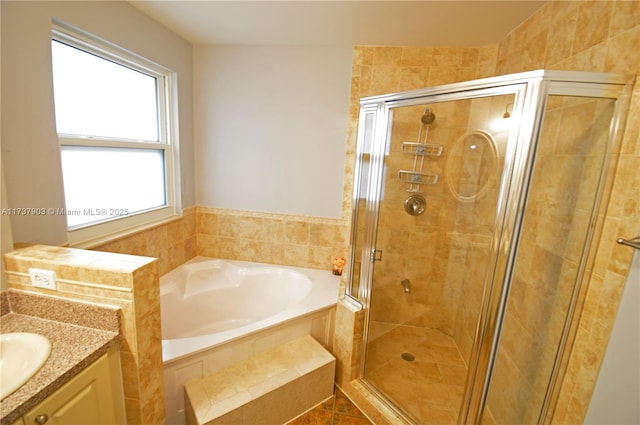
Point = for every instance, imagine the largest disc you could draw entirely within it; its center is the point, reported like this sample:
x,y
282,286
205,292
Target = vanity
x,y
81,379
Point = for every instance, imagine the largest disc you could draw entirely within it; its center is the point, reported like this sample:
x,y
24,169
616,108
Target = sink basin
x,y
22,354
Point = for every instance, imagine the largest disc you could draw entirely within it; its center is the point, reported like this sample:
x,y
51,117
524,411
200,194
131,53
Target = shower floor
x,y
430,385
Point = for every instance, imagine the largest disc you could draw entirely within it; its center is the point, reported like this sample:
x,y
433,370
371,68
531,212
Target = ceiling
x,y
448,23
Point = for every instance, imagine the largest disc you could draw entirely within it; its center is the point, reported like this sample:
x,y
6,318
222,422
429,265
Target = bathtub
x,y
216,312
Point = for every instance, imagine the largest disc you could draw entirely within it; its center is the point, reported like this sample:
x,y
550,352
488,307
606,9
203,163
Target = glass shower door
x,y
552,256
437,212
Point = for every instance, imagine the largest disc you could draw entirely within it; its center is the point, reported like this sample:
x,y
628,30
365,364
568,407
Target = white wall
x,y
616,397
6,239
30,152
271,127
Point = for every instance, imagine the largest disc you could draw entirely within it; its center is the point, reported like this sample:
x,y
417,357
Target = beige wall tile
x,y
592,24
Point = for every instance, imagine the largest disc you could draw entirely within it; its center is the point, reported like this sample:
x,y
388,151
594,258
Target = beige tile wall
x,y
172,243
271,238
562,193
601,36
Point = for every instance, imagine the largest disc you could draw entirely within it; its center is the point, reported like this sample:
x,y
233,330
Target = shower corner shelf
x,y
421,149
417,178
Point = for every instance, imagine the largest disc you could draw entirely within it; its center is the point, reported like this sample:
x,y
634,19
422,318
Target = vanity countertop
x,y
79,334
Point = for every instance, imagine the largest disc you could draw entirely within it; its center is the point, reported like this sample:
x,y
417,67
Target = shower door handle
x,y
376,255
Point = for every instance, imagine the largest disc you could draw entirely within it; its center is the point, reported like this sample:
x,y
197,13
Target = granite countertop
x,y
79,334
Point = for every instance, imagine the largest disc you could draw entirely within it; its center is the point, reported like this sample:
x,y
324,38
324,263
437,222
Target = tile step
x,y
270,387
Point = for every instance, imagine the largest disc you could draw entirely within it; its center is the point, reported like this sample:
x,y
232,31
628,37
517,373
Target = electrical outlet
x,y
43,278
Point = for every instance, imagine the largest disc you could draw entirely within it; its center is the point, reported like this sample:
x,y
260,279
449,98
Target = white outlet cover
x,y
43,278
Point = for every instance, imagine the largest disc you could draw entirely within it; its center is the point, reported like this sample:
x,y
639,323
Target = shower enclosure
x,y
474,209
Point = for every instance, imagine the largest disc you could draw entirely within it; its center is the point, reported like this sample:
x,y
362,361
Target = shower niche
x,y
495,241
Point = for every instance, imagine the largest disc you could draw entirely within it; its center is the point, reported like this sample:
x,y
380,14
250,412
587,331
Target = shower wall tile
x,y
445,65
386,56
556,220
380,70
623,45
601,37
487,60
469,64
416,56
592,25
625,16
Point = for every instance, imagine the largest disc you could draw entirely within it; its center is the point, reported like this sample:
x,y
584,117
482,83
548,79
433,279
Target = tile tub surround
x,y
193,357
172,242
318,324
291,240
126,281
209,303
79,334
268,388
286,239
283,239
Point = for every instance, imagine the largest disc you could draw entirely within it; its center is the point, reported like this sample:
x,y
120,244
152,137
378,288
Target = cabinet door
x,y
86,399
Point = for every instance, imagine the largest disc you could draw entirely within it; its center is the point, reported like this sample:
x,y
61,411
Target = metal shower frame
x,y
530,90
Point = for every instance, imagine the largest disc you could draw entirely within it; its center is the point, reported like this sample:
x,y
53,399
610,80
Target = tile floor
x,y
338,410
430,386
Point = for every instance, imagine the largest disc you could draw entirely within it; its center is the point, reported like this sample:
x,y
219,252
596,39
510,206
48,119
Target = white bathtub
x,y
216,312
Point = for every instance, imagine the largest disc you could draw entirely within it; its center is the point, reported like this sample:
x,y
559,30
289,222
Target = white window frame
x,y
96,233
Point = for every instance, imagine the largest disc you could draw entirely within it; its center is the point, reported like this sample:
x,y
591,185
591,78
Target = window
x,y
113,118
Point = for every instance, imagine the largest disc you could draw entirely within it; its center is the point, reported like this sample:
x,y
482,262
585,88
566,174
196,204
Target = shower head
x,y
428,117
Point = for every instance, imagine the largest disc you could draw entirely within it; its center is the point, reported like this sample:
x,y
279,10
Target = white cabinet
x,y
93,397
